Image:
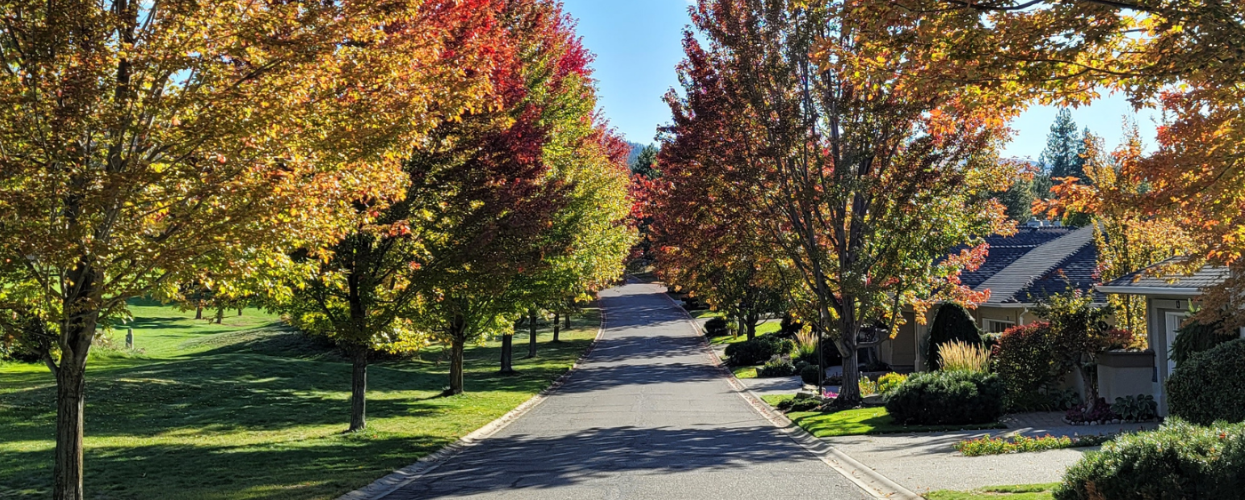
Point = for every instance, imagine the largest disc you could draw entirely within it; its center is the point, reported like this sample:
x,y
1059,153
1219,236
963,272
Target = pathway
x,y
645,416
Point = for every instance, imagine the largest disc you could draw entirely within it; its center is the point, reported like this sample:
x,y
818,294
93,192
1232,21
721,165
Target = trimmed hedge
x,y
1023,357
758,350
953,322
717,327
808,374
1210,386
947,398
1178,461
778,368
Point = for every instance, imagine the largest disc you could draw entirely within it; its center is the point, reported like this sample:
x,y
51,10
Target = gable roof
x,y
1043,265
1005,250
1149,282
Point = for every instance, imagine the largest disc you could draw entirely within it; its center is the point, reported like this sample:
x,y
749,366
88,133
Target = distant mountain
x,y
635,152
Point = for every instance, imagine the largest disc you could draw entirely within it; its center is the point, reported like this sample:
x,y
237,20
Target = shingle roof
x,y
1149,280
1004,250
1014,283
1079,270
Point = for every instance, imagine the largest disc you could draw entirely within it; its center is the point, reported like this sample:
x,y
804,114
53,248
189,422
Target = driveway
x,y
645,416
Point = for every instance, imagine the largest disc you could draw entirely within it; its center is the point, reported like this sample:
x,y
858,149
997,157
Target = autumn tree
x,y
871,158
145,142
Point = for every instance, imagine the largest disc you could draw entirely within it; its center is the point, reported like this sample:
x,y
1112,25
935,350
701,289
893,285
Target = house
x,y
1168,300
1019,271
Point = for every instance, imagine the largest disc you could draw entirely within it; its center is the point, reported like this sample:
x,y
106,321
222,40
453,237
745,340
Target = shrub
x,y
800,402
758,350
1210,386
953,322
789,325
806,346
867,387
1024,361
809,374
947,398
1178,461
1139,408
717,327
889,382
959,356
1082,413
1196,337
777,367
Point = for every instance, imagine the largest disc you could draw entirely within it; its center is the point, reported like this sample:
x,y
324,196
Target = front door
x,y
1174,319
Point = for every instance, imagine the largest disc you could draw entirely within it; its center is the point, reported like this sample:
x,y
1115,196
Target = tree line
x,y
829,155
387,174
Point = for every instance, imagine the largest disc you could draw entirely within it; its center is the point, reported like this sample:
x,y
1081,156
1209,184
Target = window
x,y
998,326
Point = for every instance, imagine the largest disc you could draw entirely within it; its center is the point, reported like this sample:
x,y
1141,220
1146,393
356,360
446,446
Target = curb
x,y
395,480
869,480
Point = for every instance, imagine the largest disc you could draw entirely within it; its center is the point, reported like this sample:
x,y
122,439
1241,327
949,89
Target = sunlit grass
x,y
251,410
1020,492
860,421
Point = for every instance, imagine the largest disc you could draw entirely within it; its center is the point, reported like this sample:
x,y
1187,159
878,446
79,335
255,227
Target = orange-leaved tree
x,y
145,143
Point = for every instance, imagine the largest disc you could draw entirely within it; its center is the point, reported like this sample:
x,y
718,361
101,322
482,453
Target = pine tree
x,y
646,163
1062,156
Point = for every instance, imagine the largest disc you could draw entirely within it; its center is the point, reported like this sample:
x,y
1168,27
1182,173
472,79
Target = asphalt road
x,y
645,416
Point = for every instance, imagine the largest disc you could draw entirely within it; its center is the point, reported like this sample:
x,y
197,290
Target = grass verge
x,y
1019,492
861,421
248,409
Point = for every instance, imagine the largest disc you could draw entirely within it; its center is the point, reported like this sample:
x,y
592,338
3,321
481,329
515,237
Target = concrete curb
x,y
395,480
869,480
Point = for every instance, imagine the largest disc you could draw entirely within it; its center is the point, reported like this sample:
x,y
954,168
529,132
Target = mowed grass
x,y
765,328
861,421
1020,492
250,409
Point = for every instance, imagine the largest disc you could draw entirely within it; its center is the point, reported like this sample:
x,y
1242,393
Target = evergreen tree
x,y
646,163
1062,156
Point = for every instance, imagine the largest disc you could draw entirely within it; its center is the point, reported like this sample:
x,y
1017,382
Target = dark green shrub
x,y
1139,408
1178,461
1024,360
953,322
789,325
1210,386
1197,337
717,327
758,350
777,368
809,374
800,402
947,398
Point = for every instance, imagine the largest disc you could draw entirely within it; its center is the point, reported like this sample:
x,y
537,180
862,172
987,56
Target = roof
x,y
1005,250
1036,270
1151,281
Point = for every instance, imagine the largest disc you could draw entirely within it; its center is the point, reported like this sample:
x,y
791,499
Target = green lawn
x,y
765,328
744,371
861,421
251,410
1021,492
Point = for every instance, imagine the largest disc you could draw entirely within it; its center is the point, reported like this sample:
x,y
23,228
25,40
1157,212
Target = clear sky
x,y
638,43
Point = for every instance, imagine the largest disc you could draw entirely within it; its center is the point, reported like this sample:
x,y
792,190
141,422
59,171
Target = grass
x,y
765,328
744,371
1019,492
861,421
248,409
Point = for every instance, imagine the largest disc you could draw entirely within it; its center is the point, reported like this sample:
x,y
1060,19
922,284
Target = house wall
x,y
1157,308
900,352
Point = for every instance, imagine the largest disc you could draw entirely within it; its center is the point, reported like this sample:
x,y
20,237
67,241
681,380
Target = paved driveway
x,y
646,416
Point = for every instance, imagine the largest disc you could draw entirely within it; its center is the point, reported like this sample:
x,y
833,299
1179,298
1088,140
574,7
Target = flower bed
x,y
1024,444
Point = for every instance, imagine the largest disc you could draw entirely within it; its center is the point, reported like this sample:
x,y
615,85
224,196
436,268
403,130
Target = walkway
x,y
646,416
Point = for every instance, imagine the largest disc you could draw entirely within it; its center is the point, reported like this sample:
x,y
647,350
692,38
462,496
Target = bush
x,y
1210,386
789,325
1178,461
889,382
717,327
867,387
962,357
1024,444
801,402
953,322
778,367
1194,338
809,374
947,398
758,350
1024,361
1139,408
1081,413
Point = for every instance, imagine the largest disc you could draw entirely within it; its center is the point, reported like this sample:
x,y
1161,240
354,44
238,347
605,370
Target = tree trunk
x,y
220,315
568,321
556,327
70,400
751,319
531,334
749,332
199,312
239,311
849,393
507,353
358,390
456,364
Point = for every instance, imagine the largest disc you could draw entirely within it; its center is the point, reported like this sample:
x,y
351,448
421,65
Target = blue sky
x,y
638,43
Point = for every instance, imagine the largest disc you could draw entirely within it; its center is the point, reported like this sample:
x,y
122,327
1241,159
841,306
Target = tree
x,y
1079,333
645,164
1129,239
500,189
952,323
1062,156
868,157
145,142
